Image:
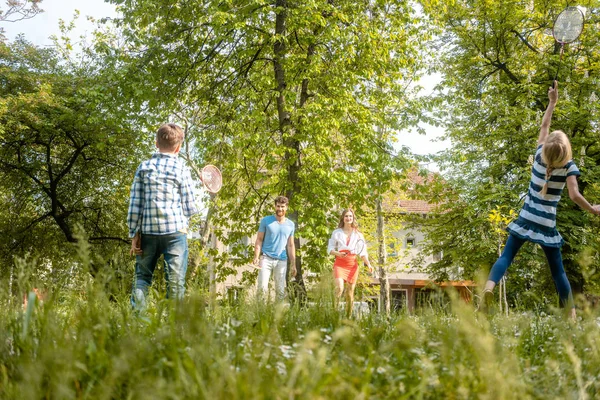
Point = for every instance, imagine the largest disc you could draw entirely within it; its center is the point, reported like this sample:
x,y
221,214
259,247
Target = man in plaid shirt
x,y
161,201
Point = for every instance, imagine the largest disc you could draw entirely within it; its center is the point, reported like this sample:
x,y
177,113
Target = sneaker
x,y
485,301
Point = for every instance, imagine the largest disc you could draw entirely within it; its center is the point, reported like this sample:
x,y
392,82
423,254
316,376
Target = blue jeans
x,y
175,249
561,282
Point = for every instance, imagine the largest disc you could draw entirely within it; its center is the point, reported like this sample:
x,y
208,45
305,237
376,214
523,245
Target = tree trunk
x,y
384,284
297,290
212,285
292,145
207,241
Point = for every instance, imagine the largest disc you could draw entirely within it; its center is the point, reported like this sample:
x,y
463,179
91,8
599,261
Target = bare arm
x,y
258,246
365,259
547,119
578,197
291,251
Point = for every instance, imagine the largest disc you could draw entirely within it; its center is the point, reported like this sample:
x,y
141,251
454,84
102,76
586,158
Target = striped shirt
x,y
537,219
162,196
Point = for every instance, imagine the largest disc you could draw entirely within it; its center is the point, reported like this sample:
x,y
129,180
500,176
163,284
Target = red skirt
x,y
346,268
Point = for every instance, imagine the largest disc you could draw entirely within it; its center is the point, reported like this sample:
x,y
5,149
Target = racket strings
x,y
358,248
567,28
568,25
212,178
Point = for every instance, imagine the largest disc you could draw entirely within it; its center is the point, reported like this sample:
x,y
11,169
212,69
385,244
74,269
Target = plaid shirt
x,y
162,196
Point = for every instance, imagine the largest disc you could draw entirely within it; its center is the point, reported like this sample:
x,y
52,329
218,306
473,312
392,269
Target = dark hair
x,y
169,136
354,224
281,200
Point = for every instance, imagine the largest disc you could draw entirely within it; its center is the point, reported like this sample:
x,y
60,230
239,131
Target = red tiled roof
x,y
401,203
413,206
414,177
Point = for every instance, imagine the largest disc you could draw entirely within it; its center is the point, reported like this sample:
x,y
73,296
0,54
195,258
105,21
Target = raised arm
x,y
188,195
578,197
547,119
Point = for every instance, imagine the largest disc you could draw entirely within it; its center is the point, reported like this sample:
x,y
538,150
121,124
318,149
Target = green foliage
x,y
497,61
297,98
78,344
66,158
62,154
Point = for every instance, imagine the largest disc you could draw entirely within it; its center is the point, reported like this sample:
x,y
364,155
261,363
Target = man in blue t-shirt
x,y
274,245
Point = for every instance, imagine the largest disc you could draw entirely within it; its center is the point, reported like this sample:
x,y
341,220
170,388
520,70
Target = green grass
x,y
82,345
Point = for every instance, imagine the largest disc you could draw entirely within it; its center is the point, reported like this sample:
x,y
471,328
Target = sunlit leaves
x,y
497,60
346,66
64,155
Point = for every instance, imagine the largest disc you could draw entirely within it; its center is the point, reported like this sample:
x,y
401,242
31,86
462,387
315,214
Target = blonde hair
x,y
555,154
169,136
354,224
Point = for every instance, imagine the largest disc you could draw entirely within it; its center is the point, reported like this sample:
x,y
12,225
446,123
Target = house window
x,y
399,300
410,242
234,294
437,256
392,250
434,299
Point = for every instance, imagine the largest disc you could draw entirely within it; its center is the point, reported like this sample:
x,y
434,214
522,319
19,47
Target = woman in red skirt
x,y
346,244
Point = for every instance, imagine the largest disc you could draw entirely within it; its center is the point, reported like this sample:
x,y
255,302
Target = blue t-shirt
x,y
276,236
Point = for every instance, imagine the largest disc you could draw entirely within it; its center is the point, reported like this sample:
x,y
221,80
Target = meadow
x,y
86,344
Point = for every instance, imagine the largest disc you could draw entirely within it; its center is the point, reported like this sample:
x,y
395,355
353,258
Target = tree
x,y
291,95
66,156
18,10
497,61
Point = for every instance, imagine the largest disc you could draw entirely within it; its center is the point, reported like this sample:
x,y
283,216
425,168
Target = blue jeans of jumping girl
x,y
513,244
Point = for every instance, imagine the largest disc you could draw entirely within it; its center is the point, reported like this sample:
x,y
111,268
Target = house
x,y
411,288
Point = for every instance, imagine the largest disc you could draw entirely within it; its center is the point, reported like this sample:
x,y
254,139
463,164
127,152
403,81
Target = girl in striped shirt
x,y
552,169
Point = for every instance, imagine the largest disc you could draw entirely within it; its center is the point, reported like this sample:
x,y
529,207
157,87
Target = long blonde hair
x,y
555,154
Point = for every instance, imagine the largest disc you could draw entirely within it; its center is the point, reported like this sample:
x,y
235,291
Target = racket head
x,y
568,25
359,246
212,178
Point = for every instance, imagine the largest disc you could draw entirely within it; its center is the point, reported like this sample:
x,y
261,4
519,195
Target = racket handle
x,y
562,49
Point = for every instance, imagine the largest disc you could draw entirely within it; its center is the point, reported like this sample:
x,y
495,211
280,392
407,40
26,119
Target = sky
x,y
39,29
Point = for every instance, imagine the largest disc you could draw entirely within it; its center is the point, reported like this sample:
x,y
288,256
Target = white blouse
x,y
339,238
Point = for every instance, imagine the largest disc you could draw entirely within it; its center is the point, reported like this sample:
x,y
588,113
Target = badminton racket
x,y
359,246
211,178
567,28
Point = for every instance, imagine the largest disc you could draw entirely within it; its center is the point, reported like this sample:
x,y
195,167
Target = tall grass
x,y
81,344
